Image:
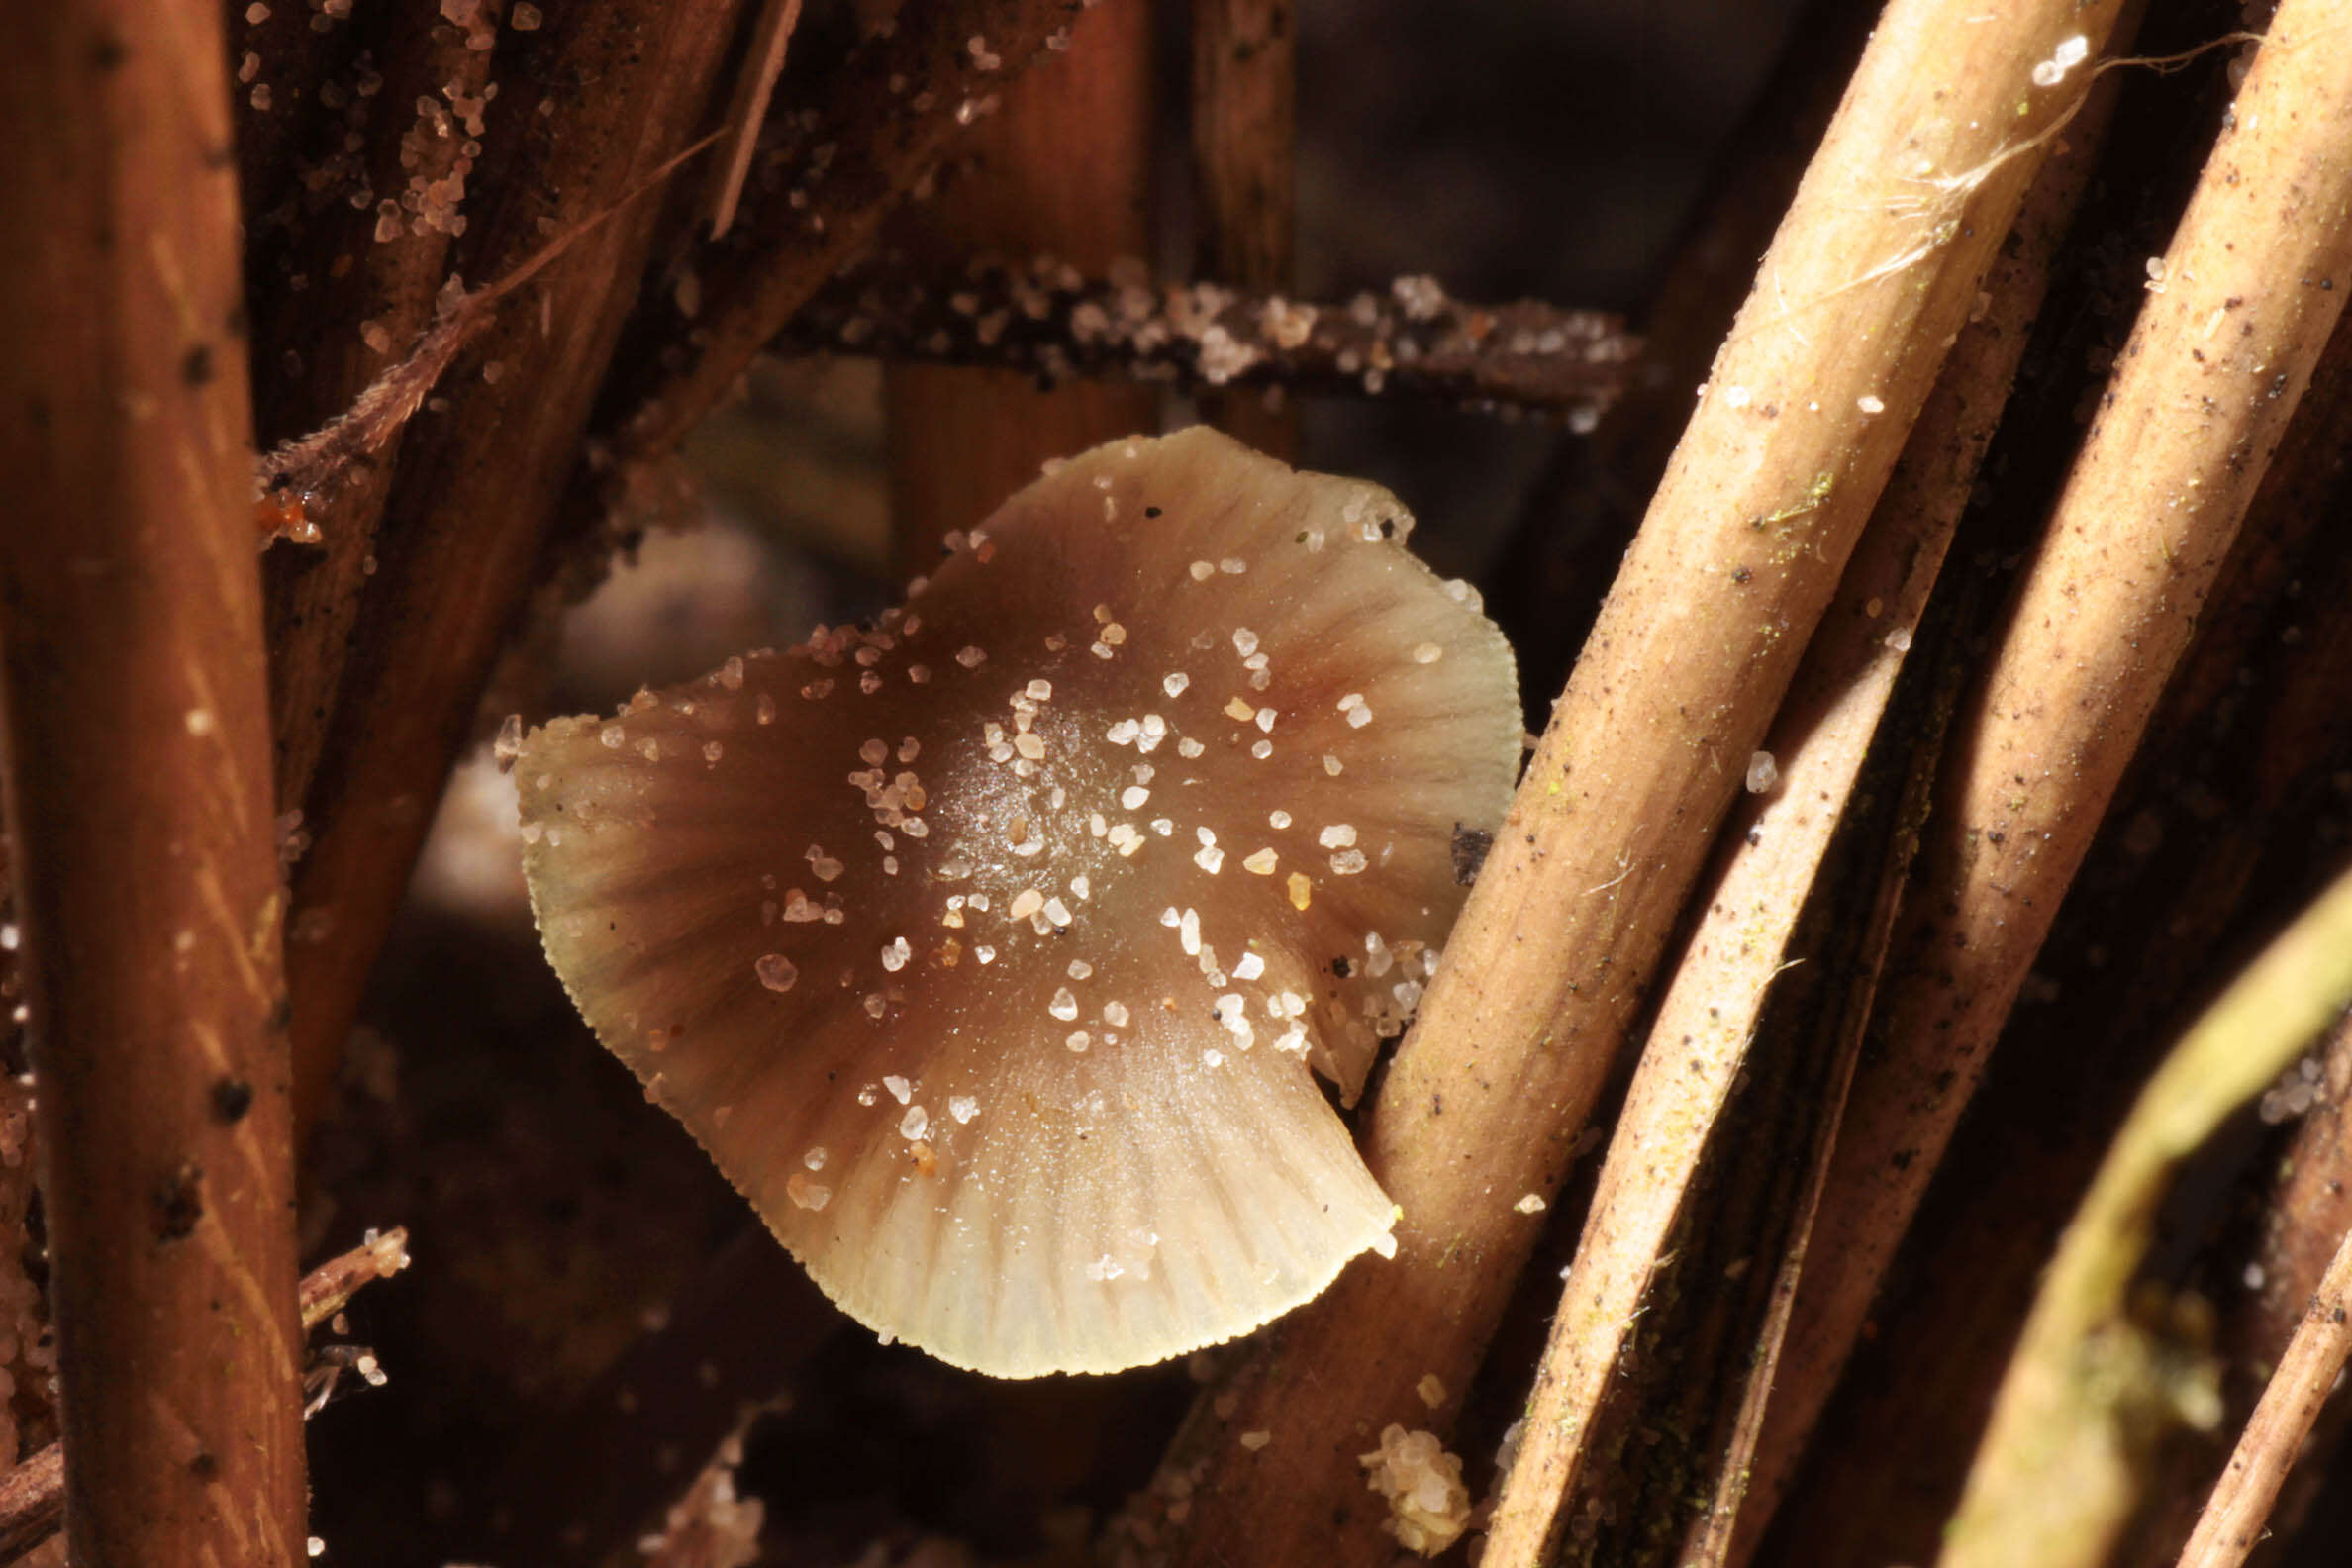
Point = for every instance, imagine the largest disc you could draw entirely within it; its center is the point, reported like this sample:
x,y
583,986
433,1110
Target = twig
x,y
1065,166
749,111
1245,135
1809,402
885,119
33,1492
328,1287
1712,1011
2054,1479
1049,322
138,789
2242,1499
32,1502
477,484
2215,365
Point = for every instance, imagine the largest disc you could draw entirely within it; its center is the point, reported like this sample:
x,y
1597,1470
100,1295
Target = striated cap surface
x,y
987,949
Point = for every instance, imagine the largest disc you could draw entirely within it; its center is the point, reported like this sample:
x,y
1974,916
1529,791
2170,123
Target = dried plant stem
x,y
2215,365
375,278
138,789
1051,324
328,1287
1245,143
1063,169
763,65
2235,1515
2055,1477
32,1502
33,1493
1712,1010
477,484
886,119
1812,397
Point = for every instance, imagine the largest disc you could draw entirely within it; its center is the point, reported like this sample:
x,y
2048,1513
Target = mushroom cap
x,y
986,951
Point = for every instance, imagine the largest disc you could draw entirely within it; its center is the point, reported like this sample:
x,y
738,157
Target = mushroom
x,y
987,949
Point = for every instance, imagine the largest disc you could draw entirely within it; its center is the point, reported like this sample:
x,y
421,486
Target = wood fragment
x,y
887,117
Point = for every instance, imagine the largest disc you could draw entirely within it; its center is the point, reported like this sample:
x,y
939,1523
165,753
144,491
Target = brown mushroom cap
x,y
986,951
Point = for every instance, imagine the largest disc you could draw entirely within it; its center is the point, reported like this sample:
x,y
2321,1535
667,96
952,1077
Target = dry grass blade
x,y
2242,1500
2055,1478
1712,1012
138,789
749,111
1871,274
2218,358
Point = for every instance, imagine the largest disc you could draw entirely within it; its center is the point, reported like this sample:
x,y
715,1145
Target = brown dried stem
x,y
32,1502
1245,143
376,276
477,484
2217,364
885,119
1050,323
2236,1513
1812,397
137,790
1762,885
33,1493
1064,169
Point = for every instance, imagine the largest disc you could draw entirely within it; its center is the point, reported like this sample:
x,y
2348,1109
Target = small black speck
x,y
1151,510
232,1098
1740,574
179,1201
196,365
1341,968
109,53
203,1467
1470,846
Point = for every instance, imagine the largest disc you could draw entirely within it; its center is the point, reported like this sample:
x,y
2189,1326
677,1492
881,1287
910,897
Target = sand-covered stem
x,y
2238,311
1871,273
1708,1020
